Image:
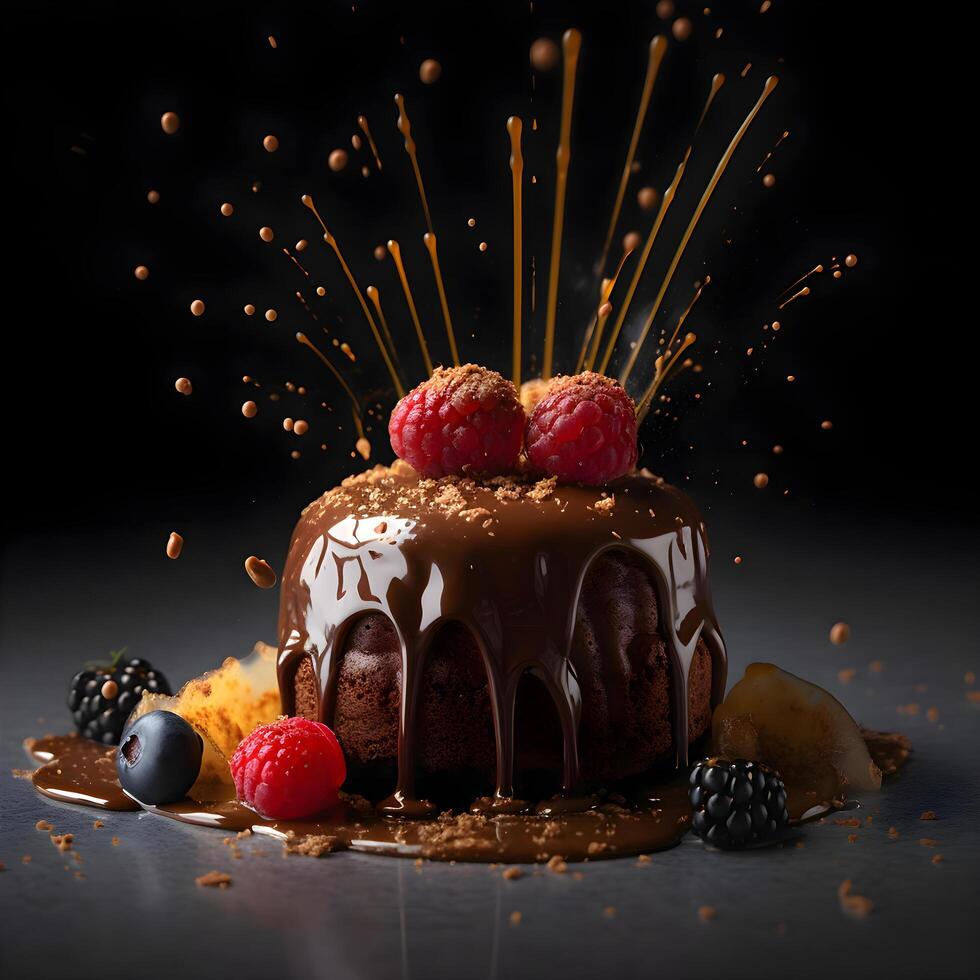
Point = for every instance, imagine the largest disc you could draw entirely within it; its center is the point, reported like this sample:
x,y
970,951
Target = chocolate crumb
x,y
515,918
929,815
115,841
312,845
512,873
852,838
707,912
557,864
928,842
213,879
605,506
893,833
22,773
937,859
43,825
97,824
643,859
597,847
609,911
26,859
856,906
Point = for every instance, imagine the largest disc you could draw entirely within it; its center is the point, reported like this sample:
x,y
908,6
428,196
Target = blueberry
x,y
159,758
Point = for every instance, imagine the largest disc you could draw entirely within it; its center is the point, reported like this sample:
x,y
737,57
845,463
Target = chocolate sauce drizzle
x,y
507,561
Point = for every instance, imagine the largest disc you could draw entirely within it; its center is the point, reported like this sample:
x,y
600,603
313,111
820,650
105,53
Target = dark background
x,y
96,435
103,458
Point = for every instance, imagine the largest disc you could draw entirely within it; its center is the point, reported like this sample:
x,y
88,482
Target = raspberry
x,y
462,420
583,430
290,769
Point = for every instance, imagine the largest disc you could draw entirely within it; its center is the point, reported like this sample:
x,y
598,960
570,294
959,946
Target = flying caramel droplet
x,y
631,241
681,28
429,71
175,544
227,209
170,123
288,424
826,425
851,261
141,272
301,245
153,197
840,633
761,480
266,234
197,307
271,315
647,198
250,410
184,386
249,309
380,252
271,143
665,9
363,447
544,54
337,160
260,572
769,180
301,427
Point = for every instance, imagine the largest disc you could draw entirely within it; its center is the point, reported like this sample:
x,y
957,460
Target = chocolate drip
x,y
507,561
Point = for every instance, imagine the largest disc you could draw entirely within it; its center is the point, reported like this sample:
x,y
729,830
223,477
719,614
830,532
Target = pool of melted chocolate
x,y
649,816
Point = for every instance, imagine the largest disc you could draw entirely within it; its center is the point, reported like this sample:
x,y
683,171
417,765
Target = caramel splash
x,y
332,242
431,244
396,254
767,90
515,128
658,47
571,43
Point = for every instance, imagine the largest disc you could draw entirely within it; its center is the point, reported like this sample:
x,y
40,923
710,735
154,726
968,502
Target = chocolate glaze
x,y
76,770
504,558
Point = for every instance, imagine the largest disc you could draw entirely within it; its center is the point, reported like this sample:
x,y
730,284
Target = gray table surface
x,y
910,598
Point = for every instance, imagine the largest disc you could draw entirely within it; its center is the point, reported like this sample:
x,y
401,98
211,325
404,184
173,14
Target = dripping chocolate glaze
x,y
506,560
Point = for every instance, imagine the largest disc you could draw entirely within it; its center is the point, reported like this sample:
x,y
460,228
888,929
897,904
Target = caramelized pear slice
x,y
800,729
223,706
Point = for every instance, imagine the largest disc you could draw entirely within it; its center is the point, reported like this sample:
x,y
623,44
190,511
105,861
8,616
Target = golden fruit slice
x,y
223,705
800,729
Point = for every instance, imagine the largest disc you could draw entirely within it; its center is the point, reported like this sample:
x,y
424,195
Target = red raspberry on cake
x,y
463,420
583,430
290,769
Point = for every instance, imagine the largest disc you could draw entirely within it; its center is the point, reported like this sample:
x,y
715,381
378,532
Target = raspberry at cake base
x,y
414,611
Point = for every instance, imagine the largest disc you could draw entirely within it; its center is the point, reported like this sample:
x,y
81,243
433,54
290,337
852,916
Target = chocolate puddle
x,y
75,770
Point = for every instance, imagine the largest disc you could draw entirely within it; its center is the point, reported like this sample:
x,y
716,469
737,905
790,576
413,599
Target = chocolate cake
x,y
495,633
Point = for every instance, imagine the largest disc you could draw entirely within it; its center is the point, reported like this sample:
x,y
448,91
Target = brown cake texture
x,y
622,651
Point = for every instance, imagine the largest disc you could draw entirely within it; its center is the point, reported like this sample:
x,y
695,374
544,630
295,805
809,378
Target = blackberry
x,y
737,804
99,717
